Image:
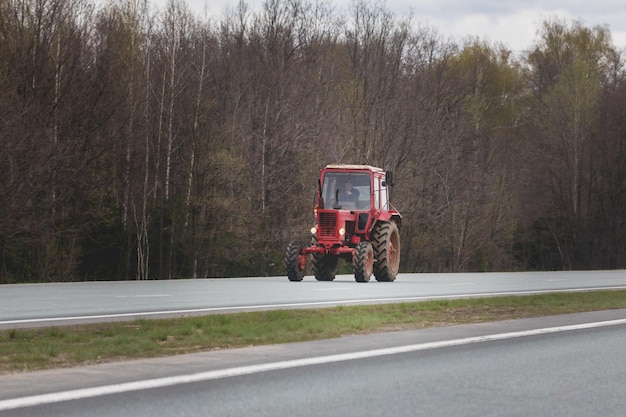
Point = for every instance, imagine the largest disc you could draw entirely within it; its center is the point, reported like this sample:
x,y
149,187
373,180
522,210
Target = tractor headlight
x,y
313,230
342,232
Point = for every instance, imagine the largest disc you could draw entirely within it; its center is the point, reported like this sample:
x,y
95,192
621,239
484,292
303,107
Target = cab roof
x,y
354,167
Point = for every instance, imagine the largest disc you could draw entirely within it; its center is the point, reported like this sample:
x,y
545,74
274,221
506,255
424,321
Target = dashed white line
x,y
78,394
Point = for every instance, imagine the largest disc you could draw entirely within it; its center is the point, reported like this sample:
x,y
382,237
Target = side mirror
x,y
389,179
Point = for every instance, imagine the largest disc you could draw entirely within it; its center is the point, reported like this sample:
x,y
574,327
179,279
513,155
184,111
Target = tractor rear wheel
x,y
324,266
386,243
295,271
363,262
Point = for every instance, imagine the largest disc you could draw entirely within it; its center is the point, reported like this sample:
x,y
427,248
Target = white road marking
x,y
227,309
143,296
461,283
557,279
78,394
333,289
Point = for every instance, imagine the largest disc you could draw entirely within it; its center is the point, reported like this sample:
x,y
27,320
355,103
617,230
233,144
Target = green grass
x,y
52,347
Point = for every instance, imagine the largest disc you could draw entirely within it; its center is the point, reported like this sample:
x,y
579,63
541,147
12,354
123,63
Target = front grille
x,y
328,225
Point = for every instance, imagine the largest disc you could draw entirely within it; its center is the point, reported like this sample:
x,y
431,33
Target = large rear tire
x,y
292,264
386,243
363,262
324,266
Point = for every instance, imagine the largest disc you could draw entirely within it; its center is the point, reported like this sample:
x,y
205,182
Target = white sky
x,y
512,22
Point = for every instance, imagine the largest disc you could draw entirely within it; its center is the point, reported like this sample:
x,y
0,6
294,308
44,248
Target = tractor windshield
x,y
347,190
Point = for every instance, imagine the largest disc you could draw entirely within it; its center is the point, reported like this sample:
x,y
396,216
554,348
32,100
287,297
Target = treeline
x,y
151,144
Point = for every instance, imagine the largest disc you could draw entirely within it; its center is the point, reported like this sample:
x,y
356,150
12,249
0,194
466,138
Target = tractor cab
x,y
347,191
354,187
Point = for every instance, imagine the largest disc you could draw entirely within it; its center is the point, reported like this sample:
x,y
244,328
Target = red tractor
x,y
354,221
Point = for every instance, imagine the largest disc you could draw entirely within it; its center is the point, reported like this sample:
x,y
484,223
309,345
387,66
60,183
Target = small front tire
x,y
363,262
293,266
324,266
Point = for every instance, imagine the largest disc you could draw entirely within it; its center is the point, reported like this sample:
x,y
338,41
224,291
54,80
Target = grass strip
x,y
23,350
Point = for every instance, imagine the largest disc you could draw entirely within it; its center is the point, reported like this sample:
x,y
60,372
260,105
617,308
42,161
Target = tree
x,y
568,68
142,143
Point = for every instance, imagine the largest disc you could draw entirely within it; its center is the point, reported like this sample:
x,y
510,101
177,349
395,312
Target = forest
x,y
146,143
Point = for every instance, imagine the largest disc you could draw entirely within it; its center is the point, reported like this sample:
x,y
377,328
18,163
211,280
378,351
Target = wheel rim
x,y
369,261
393,255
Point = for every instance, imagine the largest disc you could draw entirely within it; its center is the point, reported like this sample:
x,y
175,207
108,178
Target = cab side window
x,y
377,193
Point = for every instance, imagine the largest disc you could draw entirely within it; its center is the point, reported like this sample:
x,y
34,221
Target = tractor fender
x,y
386,216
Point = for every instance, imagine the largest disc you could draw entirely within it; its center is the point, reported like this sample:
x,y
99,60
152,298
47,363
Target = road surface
x,y
69,303
569,365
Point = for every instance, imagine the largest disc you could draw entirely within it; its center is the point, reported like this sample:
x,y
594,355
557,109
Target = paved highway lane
x,y
550,366
66,303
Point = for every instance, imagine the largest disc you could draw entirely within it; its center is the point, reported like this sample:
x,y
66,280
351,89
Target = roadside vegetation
x,y
24,350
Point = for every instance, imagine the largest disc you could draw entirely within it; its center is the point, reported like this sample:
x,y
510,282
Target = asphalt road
x,y
549,367
69,303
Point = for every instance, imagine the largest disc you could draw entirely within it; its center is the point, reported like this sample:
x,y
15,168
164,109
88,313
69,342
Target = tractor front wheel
x,y
363,262
324,266
293,266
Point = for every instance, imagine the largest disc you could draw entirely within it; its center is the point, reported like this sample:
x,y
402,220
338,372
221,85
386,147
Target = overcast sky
x,y
512,22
